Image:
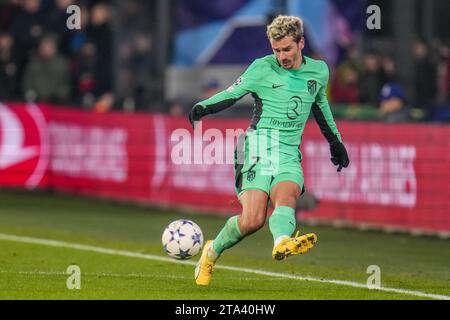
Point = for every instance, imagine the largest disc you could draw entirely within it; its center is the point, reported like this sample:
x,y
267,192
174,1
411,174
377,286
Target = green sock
x,y
228,236
282,222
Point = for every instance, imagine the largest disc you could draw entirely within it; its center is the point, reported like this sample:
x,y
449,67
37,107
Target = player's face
x,y
288,52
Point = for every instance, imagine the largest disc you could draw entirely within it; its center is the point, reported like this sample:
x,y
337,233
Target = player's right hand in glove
x,y
339,155
196,113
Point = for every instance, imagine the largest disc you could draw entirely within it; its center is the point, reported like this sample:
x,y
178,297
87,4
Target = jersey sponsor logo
x,y
312,86
286,124
274,86
294,107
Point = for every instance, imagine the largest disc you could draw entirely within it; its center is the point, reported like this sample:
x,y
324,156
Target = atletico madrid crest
x,y
312,86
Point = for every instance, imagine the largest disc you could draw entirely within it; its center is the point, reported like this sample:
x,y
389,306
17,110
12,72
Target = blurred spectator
x,y
83,60
425,76
28,25
83,69
344,87
79,37
388,70
138,85
8,11
47,75
444,75
143,70
393,104
370,81
441,112
8,68
56,24
26,28
100,35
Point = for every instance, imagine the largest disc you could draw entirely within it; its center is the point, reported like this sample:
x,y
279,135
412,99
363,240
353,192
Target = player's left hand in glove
x,y
339,155
196,113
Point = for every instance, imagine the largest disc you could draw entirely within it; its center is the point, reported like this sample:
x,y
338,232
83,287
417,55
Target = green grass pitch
x,y
137,268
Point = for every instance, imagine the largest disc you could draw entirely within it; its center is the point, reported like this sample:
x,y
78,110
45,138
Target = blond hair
x,y
283,26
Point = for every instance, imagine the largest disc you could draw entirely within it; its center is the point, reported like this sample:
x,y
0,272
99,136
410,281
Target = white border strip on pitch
x,y
77,246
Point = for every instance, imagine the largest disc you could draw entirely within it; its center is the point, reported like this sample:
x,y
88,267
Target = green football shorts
x,y
255,170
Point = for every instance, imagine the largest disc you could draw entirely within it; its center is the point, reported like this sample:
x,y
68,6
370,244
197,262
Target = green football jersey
x,y
284,99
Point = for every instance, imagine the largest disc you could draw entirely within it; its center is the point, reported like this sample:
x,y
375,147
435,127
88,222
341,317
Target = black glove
x,y
339,155
196,113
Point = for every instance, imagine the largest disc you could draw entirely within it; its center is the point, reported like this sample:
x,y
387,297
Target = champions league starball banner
x,y
397,178
234,31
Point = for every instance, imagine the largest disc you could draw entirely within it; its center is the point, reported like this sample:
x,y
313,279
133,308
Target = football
x,y
182,239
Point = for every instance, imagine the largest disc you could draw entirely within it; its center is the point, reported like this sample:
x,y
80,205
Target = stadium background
x,y
91,112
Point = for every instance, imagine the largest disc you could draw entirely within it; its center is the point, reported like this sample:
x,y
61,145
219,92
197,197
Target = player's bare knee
x,y
286,201
251,225
285,194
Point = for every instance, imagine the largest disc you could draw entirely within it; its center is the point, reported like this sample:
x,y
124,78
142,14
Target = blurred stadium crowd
x,y
42,60
110,64
371,78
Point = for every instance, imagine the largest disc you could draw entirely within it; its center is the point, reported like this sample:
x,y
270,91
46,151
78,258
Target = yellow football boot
x,y
203,271
296,245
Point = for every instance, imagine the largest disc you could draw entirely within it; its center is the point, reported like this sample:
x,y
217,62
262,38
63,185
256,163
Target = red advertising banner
x,y
195,168
397,178
24,146
109,155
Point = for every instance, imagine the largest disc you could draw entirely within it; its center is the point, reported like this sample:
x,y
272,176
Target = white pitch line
x,y
122,275
77,246
93,274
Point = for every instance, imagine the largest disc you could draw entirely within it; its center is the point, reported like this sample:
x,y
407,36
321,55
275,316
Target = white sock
x,y
278,240
212,254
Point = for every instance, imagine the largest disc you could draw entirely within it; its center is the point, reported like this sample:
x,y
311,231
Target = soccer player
x,y
286,87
